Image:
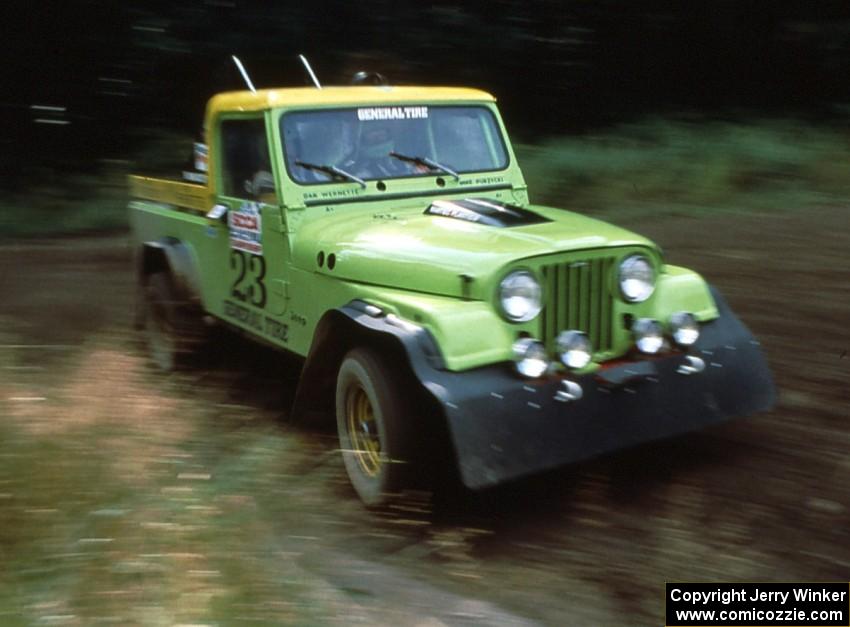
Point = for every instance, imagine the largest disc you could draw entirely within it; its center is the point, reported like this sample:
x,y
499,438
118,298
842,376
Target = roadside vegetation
x,y
49,203
659,165
673,166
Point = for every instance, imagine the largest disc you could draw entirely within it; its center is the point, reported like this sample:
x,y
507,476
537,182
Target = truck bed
x,y
173,192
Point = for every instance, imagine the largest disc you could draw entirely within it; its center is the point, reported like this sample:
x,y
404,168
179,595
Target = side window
x,y
246,166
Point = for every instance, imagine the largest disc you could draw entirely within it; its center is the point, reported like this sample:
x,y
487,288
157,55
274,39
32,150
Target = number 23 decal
x,y
250,274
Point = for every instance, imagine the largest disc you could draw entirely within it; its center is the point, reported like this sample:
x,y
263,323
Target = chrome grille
x,y
578,296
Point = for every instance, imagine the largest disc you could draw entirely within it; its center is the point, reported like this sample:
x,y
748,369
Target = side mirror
x,y
218,213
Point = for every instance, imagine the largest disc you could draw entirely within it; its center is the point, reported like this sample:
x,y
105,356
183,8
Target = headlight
x,y
637,278
574,349
649,337
530,358
684,328
520,296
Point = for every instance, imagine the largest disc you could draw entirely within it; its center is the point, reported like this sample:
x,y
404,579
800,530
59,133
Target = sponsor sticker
x,y
245,225
202,157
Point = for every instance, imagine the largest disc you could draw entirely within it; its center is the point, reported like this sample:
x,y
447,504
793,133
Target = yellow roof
x,y
344,96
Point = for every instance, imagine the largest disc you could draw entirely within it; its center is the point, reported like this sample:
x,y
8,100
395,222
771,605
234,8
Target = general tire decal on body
x,y
256,321
252,267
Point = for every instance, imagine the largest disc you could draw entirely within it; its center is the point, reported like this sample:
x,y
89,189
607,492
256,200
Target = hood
x,y
427,249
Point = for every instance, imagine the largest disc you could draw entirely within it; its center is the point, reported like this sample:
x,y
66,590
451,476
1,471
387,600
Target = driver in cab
x,y
372,159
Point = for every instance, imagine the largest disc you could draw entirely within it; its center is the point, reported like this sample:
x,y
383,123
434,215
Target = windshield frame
x,y
494,122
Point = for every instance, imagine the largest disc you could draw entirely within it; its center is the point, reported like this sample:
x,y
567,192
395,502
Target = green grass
x,y
123,508
71,205
68,204
83,543
662,164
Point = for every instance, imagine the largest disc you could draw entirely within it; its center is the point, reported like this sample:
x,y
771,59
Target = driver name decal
x,y
392,113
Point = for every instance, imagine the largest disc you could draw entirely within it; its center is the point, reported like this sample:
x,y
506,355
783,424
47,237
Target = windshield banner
x,y
392,113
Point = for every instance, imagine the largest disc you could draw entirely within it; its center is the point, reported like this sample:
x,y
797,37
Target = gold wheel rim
x,y
363,431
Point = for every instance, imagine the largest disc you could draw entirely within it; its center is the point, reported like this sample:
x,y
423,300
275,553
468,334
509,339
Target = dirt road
x,y
133,498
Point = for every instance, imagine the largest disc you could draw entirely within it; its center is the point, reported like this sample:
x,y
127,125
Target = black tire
x,y
171,330
373,424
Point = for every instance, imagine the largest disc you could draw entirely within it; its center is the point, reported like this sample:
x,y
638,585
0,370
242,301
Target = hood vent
x,y
485,211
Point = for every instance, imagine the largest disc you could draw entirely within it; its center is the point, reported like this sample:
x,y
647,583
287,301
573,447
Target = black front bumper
x,y
503,427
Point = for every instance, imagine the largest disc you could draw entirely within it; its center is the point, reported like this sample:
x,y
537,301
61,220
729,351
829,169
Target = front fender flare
x,y
410,346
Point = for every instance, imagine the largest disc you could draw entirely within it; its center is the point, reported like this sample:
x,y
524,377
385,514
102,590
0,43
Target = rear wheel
x,y
171,331
372,422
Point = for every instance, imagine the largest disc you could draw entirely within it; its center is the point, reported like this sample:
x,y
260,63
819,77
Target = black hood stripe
x,y
485,211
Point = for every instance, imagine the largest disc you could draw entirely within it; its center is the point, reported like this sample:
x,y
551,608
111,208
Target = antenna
x,y
244,74
310,70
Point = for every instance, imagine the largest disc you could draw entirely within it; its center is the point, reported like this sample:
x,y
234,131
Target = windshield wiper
x,y
332,171
430,163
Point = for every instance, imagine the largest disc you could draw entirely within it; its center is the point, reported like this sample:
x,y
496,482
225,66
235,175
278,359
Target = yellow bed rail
x,y
185,195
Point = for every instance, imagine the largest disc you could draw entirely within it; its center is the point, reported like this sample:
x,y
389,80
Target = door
x,y
253,251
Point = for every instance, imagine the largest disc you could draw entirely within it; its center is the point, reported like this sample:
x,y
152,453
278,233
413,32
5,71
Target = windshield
x,y
372,143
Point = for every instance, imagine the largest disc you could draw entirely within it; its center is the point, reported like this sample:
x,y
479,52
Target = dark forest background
x,y
113,70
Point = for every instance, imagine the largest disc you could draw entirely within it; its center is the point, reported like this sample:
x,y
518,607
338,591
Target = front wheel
x,y
372,423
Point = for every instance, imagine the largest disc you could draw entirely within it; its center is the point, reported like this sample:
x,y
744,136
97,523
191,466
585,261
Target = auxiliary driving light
x,y
530,357
648,334
574,349
684,328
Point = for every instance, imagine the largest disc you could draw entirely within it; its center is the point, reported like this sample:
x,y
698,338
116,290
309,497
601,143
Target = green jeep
x,y
385,235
